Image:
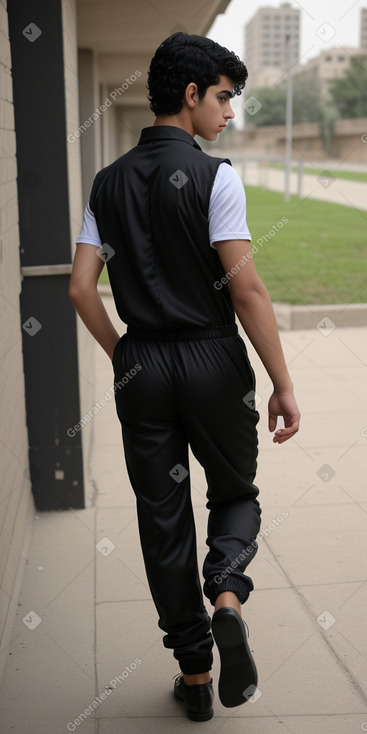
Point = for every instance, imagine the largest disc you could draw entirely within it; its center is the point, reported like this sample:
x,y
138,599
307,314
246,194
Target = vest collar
x,y
166,132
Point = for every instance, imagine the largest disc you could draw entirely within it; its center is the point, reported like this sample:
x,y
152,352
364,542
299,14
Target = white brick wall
x,y
16,502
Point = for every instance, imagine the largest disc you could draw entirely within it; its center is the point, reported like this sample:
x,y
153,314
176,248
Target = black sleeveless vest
x,y
151,207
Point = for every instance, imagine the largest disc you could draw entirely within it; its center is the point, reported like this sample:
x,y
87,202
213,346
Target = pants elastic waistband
x,y
182,334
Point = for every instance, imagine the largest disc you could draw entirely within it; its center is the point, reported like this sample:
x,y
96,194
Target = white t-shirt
x,y
227,211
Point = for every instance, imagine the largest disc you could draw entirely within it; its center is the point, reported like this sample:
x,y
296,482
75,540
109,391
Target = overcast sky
x,y
339,21
342,17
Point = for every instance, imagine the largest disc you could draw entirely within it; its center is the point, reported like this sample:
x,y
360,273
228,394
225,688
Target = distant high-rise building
x,y
271,44
363,42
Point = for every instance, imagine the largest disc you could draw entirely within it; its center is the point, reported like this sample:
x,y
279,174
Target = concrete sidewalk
x,y
86,624
323,186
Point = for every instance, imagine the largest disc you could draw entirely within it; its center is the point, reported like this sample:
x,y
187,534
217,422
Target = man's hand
x,y
283,404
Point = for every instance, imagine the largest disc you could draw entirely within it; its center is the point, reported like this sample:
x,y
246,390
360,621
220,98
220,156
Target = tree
x,y
306,103
350,92
306,99
272,111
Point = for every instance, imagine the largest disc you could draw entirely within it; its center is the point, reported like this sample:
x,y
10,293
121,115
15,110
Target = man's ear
x,y
191,95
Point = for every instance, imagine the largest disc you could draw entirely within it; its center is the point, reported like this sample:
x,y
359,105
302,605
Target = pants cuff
x,y
240,587
191,666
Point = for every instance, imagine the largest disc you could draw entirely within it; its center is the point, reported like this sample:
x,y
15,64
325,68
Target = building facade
x,y
323,69
272,44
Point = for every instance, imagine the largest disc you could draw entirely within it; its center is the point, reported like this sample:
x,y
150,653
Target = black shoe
x,y
198,699
238,674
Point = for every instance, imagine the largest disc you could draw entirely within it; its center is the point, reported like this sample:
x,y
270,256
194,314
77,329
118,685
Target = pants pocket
x,y
247,364
116,357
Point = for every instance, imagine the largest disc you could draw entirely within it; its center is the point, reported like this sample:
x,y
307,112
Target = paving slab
x,y
312,477
322,546
324,724
121,574
298,672
50,663
126,632
347,635
263,725
110,477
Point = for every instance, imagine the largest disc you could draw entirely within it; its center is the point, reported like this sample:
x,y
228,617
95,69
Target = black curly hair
x,y
184,58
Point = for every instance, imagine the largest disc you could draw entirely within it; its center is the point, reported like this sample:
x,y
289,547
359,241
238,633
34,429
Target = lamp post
x,y
288,121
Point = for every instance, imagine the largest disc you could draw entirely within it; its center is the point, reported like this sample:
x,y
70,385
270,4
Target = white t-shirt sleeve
x,y
89,231
227,207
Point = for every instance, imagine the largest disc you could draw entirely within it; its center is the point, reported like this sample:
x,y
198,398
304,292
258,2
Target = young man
x,y
172,222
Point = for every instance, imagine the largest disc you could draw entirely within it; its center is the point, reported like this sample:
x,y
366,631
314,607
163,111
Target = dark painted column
x,y
48,319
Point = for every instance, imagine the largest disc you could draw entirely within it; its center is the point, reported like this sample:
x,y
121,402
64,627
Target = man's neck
x,y
181,121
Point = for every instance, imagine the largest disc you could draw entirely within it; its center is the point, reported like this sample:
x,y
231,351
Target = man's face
x,y
211,114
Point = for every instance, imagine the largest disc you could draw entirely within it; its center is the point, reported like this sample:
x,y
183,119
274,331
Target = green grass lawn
x,y
103,278
338,173
320,254
318,257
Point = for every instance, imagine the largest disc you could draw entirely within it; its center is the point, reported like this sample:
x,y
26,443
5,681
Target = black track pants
x,y
173,390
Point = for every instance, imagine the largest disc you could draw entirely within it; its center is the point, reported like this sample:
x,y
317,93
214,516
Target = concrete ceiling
x,y
124,34
139,26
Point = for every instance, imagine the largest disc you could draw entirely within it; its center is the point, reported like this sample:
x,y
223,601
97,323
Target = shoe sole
x,y
238,674
199,717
